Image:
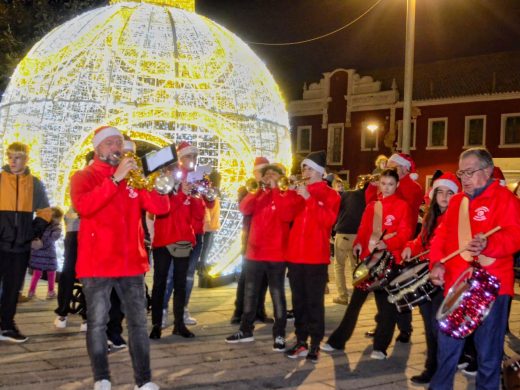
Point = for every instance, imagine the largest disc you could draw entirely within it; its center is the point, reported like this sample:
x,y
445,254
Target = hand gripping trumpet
x,y
285,183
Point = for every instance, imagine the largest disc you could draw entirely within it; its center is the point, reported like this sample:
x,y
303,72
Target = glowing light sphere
x,y
163,74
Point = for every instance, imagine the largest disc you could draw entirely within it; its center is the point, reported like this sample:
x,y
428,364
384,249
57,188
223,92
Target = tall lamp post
x,y
408,74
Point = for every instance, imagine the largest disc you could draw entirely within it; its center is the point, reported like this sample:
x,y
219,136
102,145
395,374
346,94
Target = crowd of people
x,y
468,221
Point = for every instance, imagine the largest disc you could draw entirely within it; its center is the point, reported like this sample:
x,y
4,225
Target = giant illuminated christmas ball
x,y
160,72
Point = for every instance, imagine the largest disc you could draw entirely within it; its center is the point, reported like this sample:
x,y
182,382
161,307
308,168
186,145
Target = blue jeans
x,y
255,272
190,276
489,343
132,294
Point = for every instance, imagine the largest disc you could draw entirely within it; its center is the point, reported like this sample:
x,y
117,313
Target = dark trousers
x,y
239,301
343,332
386,321
13,266
255,273
404,322
308,298
428,312
489,343
68,275
162,260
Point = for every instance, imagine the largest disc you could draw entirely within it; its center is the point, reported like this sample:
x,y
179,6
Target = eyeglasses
x,y
467,173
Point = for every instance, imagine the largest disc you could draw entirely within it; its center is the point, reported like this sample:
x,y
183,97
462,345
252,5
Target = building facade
x,y
457,104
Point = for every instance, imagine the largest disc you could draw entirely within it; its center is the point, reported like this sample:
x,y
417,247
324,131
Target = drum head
x,y
455,294
360,273
409,274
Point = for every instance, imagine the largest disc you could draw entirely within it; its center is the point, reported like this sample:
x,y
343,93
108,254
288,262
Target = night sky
x,y
444,29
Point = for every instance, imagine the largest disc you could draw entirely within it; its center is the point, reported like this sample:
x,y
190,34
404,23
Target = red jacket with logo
x,y
395,220
111,236
309,239
177,225
271,213
417,246
496,206
408,190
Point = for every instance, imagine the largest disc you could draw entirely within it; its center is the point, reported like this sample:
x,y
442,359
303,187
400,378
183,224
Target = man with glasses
x,y
483,205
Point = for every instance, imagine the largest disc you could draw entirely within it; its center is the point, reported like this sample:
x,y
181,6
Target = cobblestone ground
x,y
57,359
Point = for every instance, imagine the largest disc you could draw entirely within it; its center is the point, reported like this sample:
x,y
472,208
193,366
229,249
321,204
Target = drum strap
x,y
465,234
377,225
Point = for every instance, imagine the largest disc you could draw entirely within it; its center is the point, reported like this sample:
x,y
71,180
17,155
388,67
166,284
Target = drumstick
x,y
459,251
419,255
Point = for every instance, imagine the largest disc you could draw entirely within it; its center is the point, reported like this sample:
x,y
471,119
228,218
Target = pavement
x,y
57,358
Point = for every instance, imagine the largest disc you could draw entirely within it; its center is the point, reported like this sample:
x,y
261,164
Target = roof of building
x,y
478,75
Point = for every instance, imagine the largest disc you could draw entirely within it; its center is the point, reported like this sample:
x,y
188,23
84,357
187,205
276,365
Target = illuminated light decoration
x,y
161,73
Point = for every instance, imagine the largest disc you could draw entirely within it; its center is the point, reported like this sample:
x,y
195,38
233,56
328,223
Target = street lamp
x,y
373,127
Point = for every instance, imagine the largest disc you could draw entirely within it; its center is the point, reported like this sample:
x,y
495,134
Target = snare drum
x,y
374,271
468,302
411,287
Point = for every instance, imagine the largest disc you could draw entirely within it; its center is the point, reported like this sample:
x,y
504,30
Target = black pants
x,y
68,275
255,273
428,312
13,266
343,332
239,301
308,298
162,260
404,322
386,321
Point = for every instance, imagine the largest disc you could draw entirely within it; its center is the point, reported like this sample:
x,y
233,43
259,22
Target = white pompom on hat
x,y
102,133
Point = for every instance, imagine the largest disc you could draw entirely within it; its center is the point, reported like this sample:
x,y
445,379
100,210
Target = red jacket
x,y
396,222
177,225
309,239
271,212
111,236
496,206
408,190
417,246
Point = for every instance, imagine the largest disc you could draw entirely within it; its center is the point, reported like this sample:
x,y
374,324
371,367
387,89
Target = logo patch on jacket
x,y
131,192
480,214
389,220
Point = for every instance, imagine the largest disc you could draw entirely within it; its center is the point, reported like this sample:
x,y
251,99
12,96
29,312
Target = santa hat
x,y
498,175
316,161
102,133
447,179
405,160
185,148
260,162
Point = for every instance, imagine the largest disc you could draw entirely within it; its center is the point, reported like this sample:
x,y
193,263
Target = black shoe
x,y
404,337
313,354
290,315
240,337
13,335
264,319
370,333
300,349
183,331
422,379
116,341
155,334
471,369
464,361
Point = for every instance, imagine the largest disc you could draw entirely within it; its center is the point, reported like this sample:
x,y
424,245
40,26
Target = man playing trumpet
x,y
111,252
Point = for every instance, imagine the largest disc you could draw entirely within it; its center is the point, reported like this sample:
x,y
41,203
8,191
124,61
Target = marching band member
x,y
308,256
111,252
483,205
442,190
173,242
391,215
271,212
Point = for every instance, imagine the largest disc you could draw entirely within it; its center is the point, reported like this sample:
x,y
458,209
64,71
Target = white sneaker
x,y
147,386
103,385
378,355
164,323
60,322
327,348
83,326
187,319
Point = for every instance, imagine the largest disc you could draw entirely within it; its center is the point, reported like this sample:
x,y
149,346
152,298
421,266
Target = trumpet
x,y
285,183
158,180
253,186
202,187
364,179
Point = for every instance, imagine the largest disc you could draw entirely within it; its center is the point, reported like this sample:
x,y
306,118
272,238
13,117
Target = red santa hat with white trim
x,y
260,162
449,180
102,133
499,175
406,161
185,148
